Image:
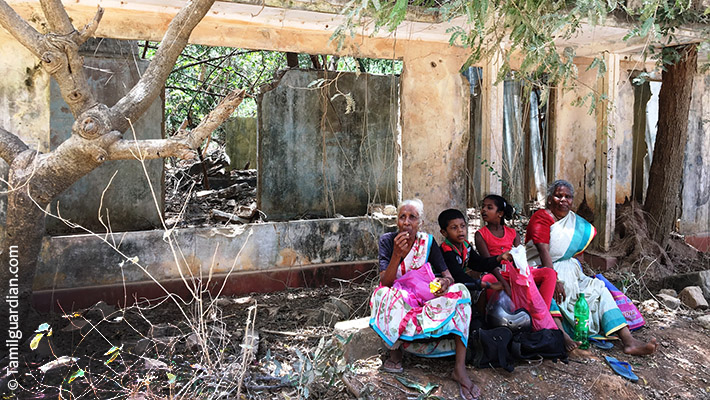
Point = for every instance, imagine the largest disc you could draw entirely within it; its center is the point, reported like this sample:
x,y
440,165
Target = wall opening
x,y
645,125
317,137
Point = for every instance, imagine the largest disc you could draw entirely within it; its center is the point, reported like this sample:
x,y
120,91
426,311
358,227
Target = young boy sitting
x,y
462,259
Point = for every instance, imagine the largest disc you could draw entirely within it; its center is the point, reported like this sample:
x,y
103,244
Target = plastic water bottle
x,y
581,321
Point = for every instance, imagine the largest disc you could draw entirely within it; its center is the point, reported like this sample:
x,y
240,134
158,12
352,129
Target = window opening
x,y
644,133
279,160
526,141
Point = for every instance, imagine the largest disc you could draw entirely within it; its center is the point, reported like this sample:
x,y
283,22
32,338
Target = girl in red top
x,y
496,238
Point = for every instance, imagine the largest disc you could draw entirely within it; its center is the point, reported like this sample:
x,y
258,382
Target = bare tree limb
x,y
21,30
90,28
139,98
10,146
57,17
58,51
182,145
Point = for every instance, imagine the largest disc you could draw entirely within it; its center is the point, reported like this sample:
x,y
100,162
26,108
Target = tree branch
x,y
10,146
58,50
181,146
134,104
90,28
57,17
21,30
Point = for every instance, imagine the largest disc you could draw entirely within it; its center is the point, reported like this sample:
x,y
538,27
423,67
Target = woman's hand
x,y
401,246
560,293
444,284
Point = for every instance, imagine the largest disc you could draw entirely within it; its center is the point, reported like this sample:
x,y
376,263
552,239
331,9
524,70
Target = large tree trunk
x,y
23,240
36,179
664,183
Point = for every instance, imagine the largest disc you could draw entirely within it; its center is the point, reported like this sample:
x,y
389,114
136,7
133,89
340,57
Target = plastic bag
x,y
415,285
526,294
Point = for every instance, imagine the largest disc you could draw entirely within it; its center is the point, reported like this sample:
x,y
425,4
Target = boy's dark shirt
x,y
457,262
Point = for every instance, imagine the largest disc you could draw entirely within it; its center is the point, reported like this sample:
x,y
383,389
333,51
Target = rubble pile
x,y
206,192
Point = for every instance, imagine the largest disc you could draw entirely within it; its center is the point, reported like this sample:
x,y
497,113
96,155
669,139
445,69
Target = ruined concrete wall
x,y
575,141
127,203
695,195
240,140
24,96
624,136
85,260
326,148
32,108
435,132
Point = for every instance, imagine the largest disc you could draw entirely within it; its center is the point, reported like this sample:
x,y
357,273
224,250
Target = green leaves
x,y
425,391
530,28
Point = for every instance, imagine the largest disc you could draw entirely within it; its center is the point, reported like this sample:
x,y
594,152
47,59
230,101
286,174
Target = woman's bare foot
x,y
636,347
570,345
468,389
394,362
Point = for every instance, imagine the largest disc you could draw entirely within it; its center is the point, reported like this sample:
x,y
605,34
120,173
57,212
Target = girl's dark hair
x,y
502,205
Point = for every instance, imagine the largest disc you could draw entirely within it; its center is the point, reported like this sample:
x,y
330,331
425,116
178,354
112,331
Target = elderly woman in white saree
x,y
554,236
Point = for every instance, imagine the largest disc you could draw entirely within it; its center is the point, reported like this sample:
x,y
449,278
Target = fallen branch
x,y
290,333
228,217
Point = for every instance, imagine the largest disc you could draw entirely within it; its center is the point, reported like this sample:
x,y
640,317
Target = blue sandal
x,y
622,368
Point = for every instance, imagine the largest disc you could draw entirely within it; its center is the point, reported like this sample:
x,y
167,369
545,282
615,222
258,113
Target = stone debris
x,y
669,301
649,307
698,278
363,341
205,192
669,292
692,296
704,320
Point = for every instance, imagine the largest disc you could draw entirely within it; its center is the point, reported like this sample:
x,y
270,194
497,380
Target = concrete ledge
x,y
67,300
78,261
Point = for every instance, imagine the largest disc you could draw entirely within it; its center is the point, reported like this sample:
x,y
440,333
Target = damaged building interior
x,y
294,185
295,188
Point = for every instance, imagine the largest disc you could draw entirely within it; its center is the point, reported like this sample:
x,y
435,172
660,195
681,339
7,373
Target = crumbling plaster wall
x,y
576,129
695,196
435,131
575,138
31,107
240,142
327,143
24,96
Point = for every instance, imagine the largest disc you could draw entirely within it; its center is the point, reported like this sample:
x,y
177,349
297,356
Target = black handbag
x,y
488,348
546,343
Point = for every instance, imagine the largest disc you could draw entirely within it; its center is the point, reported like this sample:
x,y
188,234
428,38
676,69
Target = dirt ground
x,y
159,359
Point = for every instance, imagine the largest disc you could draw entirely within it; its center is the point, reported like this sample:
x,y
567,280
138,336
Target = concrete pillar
x,y
492,129
435,132
605,157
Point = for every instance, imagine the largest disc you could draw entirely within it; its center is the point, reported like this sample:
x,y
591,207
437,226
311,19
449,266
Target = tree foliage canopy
x,y
531,27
